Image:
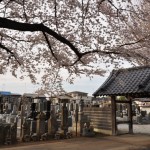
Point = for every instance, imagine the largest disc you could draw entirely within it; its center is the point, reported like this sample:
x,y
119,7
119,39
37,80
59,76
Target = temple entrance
x,y
133,84
140,117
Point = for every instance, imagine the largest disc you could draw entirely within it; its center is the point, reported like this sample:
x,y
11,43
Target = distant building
x,y
77,96
35,98
59,99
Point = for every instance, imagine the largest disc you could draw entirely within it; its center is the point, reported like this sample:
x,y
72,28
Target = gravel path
x,y
123,142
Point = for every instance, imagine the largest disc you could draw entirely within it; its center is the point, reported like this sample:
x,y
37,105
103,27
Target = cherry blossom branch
x,y
91,52
10,52
55,2
98,51
72,64
135,42
102,1
49,45
24,12
15,39
112,4
14,25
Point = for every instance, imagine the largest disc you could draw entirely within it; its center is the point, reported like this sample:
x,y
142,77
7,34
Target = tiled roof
x,y
5,93
126,81
33,95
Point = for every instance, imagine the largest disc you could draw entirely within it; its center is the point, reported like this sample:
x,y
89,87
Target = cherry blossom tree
x,y
49,38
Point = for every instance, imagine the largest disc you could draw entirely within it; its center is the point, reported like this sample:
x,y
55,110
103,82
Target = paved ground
x,y
137,128
123,142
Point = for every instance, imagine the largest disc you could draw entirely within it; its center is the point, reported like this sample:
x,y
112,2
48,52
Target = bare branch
x,y
10,52
56,15
72,64
111,3
18,40
87,6
92,52
132,43
102,52
101,1
82,18
24,12
49,45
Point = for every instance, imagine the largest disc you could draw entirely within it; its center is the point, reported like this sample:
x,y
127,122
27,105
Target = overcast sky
x,y
10,83
84,84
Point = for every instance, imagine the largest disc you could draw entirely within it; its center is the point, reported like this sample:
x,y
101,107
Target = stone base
x,y
108,132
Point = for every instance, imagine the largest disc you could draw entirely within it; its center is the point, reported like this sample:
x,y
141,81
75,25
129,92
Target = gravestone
x,y
52,125
33,126
13,133
79,119
7,133
139,119
2,140
27,110
88,131
40,107
64,118
1,108
25,131
14,111
40,130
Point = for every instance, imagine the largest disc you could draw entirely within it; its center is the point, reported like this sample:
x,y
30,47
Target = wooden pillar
x,y
113,109
130,115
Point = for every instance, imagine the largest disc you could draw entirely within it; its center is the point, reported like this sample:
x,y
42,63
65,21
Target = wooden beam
x,y
123,122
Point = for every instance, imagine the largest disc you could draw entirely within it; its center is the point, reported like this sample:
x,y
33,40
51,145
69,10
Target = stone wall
x,y
99,118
